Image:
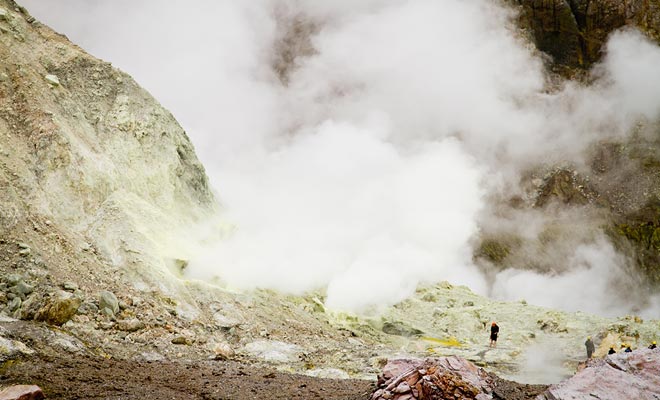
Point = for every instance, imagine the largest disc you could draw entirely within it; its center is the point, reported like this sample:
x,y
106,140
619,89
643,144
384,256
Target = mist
x,y
354,147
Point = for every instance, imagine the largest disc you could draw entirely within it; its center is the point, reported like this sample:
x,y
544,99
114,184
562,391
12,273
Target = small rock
x,y
23,288
130,325
70,286
88,308
13,279
14,304
180,340
4,15
223,351
403,387
108,300
52,79
107,312
106,325
3,77
22,392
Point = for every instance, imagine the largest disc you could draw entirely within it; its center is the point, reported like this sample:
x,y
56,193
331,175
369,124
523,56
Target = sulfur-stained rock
x,y
59,309
11,349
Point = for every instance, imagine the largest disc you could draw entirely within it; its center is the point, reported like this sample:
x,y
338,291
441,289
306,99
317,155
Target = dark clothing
x,y
653,346
494,330
590,347
612,351
627,350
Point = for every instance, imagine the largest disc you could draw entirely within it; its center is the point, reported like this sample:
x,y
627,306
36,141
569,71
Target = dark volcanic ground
x,y
86,378
81,377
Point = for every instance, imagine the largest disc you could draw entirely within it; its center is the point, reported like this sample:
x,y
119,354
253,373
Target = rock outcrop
x,y
634,375
438,378
574,31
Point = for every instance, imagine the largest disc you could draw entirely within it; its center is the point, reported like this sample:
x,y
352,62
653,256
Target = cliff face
x,y
574,31
87,155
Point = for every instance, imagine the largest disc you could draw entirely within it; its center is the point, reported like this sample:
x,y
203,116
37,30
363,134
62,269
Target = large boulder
x,y
633,375
434,378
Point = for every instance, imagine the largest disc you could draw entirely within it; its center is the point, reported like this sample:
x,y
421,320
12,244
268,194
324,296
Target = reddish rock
x,y
22,392
433,378
633,375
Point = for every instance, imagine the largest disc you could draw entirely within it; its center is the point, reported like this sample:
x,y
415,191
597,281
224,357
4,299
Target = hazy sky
x,y
366,170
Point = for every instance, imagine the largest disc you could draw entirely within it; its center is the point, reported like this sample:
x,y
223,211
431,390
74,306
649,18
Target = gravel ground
x,y
91,378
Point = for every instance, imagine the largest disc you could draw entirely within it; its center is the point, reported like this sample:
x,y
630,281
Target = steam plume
x,y
364,157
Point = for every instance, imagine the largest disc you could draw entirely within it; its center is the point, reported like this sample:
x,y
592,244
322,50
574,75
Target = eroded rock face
x,y
574,31
634,375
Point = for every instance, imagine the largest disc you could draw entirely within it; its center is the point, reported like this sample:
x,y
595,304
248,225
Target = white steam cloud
x,y
365,172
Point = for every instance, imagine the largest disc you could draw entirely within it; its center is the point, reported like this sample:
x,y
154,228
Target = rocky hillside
x,y
98,180
613,189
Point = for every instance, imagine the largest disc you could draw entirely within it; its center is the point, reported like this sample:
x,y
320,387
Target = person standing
x,y
494,331
653,345
590,347
612,351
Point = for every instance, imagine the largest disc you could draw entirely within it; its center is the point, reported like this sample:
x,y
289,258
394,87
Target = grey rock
x,y
107,300
4,15
13,279
107,312
88,308
23,288
14,304
31,306
70,286
274,351
3,77
131,325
